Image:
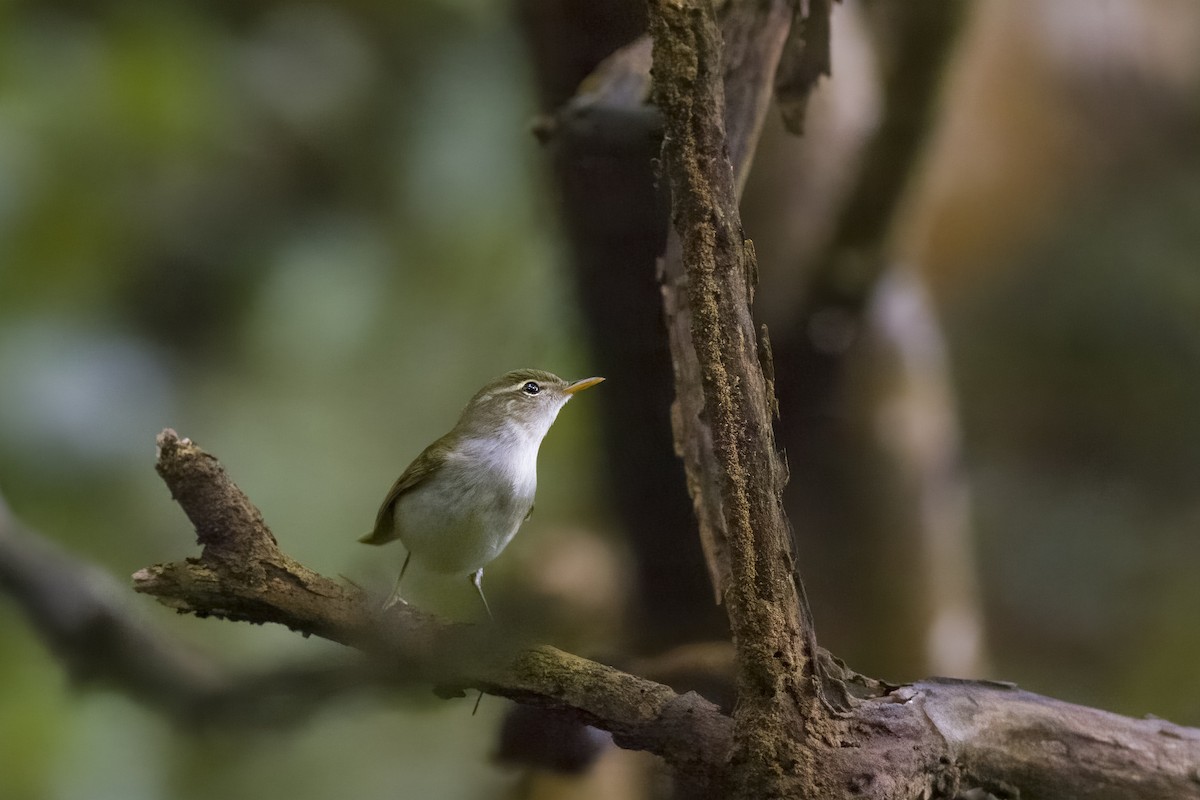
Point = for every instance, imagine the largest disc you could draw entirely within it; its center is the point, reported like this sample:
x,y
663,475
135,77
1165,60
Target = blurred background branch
x,y
84,617
878,496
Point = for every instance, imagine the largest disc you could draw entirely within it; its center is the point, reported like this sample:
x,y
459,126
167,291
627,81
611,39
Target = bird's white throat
x,y
511,452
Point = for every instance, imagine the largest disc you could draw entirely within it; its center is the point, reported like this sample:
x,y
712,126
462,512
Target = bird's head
x,y
524,400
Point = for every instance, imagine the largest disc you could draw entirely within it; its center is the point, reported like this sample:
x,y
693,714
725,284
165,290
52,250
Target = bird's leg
x,y
477,581
395,597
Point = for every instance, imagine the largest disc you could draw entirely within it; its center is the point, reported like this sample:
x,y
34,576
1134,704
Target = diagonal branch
x,y
242,574
937,735
75,609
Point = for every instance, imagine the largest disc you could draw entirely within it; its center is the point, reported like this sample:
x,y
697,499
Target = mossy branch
x,y
933,738
242,574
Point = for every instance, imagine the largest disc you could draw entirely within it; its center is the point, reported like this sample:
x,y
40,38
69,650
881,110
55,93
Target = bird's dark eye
x,y
531,388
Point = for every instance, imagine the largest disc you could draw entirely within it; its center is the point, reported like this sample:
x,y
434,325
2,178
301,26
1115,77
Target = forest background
x,y
303,234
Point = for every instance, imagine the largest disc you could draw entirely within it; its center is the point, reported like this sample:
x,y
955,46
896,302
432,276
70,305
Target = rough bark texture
x,y
602,139
945,733
754,34
84,616
935,738
778,694
1015,744
241,574
751,39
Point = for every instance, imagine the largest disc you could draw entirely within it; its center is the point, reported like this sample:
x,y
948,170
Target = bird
x,y
463,499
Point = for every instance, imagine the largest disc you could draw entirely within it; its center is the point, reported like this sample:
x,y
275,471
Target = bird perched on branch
x,y
460,503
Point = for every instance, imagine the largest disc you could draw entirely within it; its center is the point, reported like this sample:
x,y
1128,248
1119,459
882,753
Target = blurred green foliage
x,y
302,234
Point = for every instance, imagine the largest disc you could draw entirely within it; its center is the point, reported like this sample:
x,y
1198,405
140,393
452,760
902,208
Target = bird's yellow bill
x,y
579,386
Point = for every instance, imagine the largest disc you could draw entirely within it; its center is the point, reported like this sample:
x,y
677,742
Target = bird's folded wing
x,y
417,473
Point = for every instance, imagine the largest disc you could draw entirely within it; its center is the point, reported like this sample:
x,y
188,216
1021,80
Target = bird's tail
x,y
378,536
385,526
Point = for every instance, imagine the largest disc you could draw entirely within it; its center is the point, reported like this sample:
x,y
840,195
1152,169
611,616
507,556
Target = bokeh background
x,y
303,234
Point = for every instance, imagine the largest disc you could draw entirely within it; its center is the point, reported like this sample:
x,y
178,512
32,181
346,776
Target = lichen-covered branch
x,y
745,57
778,692
933,738
608,122
242,574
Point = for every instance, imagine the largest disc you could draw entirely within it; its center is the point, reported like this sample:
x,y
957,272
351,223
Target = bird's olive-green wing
x,y
418,471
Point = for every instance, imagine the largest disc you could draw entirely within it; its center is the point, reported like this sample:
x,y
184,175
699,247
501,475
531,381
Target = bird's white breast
x,y
463,517
510,458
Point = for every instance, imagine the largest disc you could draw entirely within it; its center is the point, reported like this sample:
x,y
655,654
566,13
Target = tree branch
x,y
806,58
81,613
934,738
608,120
1016,744
241,574
742,73
74,608
777,686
